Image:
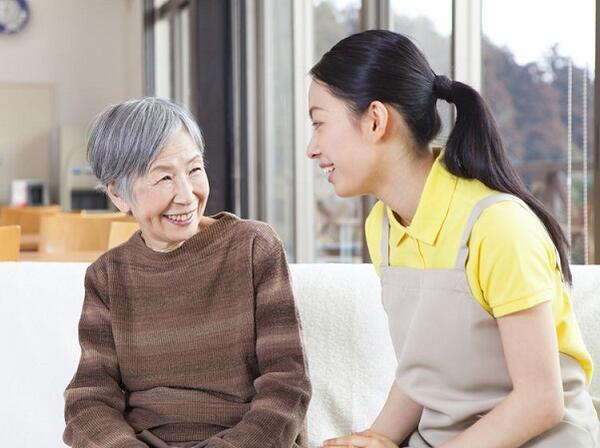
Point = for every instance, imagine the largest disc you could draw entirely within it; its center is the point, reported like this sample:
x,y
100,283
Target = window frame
x,y
248,75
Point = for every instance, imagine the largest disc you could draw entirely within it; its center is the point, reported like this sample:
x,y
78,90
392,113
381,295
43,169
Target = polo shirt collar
x,y
433,206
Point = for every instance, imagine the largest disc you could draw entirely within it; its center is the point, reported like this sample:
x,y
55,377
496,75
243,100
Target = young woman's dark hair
x,y
379,65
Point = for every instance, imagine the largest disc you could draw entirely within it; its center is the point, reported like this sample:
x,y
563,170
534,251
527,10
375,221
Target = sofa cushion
x,y
349,351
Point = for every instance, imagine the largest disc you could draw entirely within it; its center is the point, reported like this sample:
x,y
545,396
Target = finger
x,y
365,432
371,433
342,440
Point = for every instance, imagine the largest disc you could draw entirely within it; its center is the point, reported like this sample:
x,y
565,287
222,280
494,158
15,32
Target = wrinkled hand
x,y
362,439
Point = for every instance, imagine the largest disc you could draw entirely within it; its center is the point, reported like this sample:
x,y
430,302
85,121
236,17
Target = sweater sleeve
x,y
94,400
278,409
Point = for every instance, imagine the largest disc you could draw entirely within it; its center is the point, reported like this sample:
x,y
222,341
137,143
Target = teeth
x,y
328,170
182,217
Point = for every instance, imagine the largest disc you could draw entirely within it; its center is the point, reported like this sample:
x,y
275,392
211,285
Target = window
x,y
338,222
172,51
162,58
538,80
429,23
538,76
277,156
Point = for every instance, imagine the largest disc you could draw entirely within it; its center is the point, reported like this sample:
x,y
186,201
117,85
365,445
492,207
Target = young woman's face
x,y
338,143
170,199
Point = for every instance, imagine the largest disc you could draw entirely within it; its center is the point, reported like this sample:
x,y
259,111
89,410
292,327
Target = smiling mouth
x,y
181,217
328,170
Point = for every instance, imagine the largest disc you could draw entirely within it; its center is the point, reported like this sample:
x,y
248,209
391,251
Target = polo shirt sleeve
x,y
515,262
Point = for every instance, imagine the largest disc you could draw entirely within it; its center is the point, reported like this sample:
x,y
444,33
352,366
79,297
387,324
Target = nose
x,y
311,150
184,190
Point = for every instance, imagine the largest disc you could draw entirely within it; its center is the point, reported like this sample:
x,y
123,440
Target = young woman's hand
x,y
362,439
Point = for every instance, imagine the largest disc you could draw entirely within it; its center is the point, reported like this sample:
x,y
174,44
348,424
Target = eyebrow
x,y
166,166
193,159
310,111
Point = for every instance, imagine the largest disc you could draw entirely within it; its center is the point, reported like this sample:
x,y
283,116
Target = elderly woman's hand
x,y
368,438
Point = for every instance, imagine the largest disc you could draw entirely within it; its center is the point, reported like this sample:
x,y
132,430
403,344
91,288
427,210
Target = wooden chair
x,y
28,218
75,233
121,231
10,239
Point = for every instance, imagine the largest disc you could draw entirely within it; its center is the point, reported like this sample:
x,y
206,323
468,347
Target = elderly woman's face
x,y
169,201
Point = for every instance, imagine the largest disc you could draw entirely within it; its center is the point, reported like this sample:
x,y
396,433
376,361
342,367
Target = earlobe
x,y
379,114
116,199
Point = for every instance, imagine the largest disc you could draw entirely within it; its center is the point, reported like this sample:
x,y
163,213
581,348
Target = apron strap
x,y
385,239
463,247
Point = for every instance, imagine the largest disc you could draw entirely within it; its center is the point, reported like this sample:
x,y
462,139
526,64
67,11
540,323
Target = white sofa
x,y
350,356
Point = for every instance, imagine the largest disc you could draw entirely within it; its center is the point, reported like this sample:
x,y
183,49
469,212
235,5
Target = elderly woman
x,y
189,332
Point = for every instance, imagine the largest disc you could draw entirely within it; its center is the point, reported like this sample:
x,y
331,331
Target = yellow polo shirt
x,y
511,265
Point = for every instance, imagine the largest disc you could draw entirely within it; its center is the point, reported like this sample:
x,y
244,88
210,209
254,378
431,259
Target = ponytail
x,y
475,151
388,67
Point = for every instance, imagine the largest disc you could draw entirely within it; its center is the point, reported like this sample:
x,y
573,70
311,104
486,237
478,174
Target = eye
x,y
164,179
196,170
316,124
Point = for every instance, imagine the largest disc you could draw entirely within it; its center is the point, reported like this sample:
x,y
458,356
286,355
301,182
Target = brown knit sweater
x,y
200,346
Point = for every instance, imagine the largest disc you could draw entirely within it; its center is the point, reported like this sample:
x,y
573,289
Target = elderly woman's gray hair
x,y
126,137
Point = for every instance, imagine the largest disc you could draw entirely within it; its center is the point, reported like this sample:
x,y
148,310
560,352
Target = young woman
x,y
474,271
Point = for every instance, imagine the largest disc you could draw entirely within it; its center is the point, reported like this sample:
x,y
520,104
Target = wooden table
x,y
75,256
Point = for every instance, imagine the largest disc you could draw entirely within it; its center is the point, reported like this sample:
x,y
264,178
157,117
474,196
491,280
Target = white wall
x,y
90,52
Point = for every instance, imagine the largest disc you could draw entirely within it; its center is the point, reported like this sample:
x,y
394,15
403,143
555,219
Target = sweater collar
x,y
201,240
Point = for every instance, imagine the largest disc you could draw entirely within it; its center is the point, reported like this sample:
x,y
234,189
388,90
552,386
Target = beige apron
x,y
450,356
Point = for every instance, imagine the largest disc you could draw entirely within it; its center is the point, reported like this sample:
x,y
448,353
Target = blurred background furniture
x,y
68,232
29,192
47,233
10,238
77,187
29,219
121,231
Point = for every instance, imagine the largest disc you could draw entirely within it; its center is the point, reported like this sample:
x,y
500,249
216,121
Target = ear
x,y
376,121
119,202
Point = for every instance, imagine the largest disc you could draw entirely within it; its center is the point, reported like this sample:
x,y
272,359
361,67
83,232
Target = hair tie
x,y
442,87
